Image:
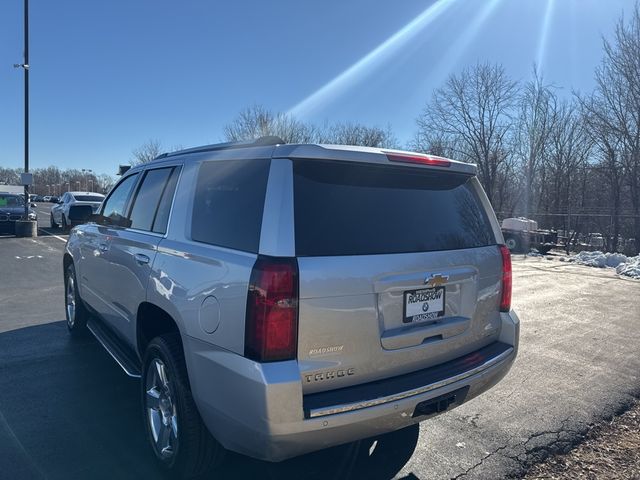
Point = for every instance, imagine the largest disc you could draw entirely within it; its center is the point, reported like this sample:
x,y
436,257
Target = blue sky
x,y
107,76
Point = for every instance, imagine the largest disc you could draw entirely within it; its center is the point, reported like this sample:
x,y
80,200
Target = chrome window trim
x,y
349,407
144,232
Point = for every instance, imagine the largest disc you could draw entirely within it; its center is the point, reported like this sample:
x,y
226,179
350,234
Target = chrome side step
x,y
113,345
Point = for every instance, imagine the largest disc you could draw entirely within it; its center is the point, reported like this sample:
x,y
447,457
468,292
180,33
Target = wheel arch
x,y
152,321
67,260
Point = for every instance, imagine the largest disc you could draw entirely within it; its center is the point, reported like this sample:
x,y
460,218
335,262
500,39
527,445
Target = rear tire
x,y
76,312
179,439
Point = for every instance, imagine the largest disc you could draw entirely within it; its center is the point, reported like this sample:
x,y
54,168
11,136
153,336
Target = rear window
x,y
355,209
88,198
229,202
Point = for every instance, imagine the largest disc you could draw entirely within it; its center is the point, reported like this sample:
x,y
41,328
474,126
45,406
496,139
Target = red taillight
x,y
505,298
422,159
271,325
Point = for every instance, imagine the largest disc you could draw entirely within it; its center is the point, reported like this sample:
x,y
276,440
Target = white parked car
x,y
60,212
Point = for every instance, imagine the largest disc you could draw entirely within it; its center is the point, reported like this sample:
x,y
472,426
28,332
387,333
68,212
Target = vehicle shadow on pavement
x,y
67,411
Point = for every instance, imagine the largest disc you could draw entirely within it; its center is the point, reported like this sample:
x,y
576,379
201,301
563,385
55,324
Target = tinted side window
x,y
354,209
148,197
162,215
114,206
229,202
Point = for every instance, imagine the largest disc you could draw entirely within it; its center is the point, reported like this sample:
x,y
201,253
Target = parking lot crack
x,y
480,462
524,454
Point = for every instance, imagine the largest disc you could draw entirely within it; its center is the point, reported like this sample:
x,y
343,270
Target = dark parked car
x,y
12,210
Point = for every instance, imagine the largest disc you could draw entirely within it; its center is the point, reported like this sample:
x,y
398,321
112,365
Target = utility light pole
x,y
25,67
86,173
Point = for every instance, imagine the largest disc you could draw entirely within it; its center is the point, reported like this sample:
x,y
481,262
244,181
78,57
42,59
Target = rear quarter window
x,y
229,202
356,209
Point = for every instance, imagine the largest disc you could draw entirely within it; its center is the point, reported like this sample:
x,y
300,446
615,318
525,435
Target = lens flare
x,y
544,33
452,55
376,57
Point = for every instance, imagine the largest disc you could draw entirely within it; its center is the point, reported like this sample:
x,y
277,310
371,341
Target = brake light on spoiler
x,y
420,159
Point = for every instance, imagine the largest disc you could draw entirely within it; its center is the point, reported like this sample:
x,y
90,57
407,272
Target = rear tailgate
x,y
399,270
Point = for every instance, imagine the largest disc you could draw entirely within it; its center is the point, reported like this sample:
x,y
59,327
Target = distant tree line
x,y
56,181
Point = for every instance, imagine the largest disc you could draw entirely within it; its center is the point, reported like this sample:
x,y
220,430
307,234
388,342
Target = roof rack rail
x,y
258,142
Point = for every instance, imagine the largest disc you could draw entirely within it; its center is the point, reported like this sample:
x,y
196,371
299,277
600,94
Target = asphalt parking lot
x,y
67,411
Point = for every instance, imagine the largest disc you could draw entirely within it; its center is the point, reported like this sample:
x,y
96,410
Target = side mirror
x,y
114,221
99,219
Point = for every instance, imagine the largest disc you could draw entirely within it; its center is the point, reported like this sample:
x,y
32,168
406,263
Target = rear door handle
x,y
141,259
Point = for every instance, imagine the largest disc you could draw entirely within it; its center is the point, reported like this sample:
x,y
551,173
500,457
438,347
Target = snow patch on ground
x,y
628,266
599,259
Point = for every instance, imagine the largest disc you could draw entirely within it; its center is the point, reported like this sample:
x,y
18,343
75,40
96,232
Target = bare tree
x,y
9,176
568,149
357,134
536,117
614,109
472,115
146,152
104,183
256,121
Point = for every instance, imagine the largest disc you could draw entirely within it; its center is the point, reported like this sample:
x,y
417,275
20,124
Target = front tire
x,y
181,443
76,312
513,243
54,225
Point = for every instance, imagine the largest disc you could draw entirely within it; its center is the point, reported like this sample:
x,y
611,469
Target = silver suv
x,y
278,299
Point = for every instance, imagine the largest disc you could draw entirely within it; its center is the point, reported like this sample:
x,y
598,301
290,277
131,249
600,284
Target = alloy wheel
x,y
71,301
161,409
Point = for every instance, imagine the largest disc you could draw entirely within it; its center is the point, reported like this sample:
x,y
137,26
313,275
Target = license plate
x,y
423,304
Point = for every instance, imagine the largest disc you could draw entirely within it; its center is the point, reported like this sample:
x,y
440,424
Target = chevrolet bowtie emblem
x,y
436,280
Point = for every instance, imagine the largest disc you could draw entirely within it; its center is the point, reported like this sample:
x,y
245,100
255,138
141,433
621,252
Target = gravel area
x,y
611,450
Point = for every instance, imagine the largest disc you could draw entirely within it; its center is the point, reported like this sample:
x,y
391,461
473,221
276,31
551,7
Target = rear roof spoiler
x,y
373,155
